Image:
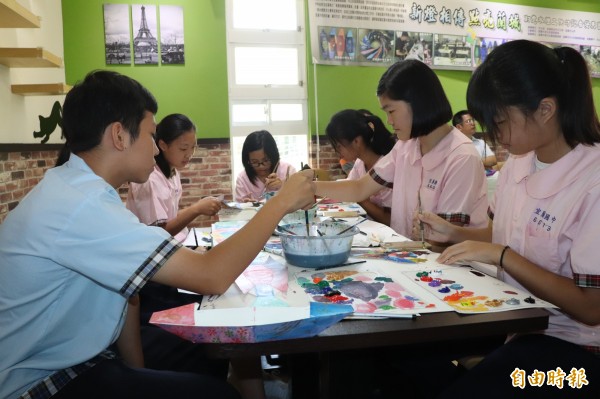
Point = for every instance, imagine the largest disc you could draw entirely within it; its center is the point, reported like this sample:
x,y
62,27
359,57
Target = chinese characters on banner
x,y
445,35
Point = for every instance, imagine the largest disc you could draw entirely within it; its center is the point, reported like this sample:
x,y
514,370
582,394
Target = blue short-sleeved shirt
x,y
70,256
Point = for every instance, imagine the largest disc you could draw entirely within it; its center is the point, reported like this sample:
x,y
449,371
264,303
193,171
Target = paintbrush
x,y
286,230
421,225
341,265
351,226
307,225
262,194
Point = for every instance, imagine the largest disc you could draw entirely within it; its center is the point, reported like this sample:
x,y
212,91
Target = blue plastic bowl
x,y
322,248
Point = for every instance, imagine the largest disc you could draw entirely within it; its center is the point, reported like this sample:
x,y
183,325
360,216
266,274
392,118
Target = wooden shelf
x,y
14,15
44,89
29,58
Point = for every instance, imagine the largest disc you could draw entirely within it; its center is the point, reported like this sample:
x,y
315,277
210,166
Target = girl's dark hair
x,y
169,129
348,124
104,97
259,140
520,74
415,83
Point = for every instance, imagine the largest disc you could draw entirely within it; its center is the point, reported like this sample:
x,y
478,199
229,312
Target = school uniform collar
x,y
439,153
559,175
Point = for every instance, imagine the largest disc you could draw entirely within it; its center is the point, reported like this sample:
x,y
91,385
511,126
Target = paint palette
x,y
340,209
467,290
368,292
411,257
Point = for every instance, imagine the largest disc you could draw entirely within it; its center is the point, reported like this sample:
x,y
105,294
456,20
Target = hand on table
x,y
472,251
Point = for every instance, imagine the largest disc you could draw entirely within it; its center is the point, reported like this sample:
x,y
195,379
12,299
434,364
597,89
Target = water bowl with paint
x,y
323,246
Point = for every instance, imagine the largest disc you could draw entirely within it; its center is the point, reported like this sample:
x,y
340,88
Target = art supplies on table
x,y
198,237
224,230
468,290
247,325
339,209
369,292
374,234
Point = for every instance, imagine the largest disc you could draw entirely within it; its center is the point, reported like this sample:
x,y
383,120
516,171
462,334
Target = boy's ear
x,y
119,136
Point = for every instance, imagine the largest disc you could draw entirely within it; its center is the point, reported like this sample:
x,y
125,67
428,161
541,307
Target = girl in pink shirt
x,y
433,166
360,137
537,102
156,202
263,170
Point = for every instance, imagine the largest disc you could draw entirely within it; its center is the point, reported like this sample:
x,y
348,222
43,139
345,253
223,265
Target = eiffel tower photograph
x,y
145,44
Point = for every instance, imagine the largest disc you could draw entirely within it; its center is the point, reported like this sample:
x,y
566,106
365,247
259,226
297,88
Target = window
x,y
267,74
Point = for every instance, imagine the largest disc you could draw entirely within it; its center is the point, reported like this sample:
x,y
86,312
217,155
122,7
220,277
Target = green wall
x,y
199,89
354,86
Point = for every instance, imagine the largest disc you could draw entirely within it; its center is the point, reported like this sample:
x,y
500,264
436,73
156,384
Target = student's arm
x,y
129,342
439,230
376,212
490,161
206,206
348,190
214,271
583,304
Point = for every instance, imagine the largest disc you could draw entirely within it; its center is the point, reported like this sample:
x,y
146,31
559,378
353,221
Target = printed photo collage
x,y
347,46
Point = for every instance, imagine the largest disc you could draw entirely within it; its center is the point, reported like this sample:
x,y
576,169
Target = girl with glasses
x,y
263,170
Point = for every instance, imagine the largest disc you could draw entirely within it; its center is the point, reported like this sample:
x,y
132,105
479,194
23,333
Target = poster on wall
x,y
171,35
145,44
117,41
446,35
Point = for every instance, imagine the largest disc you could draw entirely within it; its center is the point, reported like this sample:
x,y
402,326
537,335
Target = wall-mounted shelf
x,y
29,58
14,15
43,89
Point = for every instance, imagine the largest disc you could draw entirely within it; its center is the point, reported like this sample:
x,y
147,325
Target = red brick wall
x,y
22,166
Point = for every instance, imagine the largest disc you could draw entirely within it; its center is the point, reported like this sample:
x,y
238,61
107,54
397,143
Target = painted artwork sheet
x,y
265,278
223,230
409,256
246,325
468,290
369,292
339,209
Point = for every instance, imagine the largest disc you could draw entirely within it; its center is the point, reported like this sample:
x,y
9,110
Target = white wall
x,y
19,114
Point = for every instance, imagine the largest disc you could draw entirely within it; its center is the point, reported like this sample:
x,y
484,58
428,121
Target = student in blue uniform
x,y
72,258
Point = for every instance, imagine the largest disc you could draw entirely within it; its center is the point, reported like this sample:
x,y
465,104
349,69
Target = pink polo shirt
x,y
157,200
552,218
244,187
383,197
449,177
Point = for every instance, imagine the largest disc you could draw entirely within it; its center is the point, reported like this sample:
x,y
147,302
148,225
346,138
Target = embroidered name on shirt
x,y
543,219
431,184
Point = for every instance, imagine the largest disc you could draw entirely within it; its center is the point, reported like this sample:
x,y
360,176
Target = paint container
x,y
328,249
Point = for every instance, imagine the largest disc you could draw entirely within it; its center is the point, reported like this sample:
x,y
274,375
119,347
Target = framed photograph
x,y
172,49
145,43
117,39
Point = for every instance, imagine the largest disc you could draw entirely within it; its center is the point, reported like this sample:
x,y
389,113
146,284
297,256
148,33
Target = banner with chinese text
x,y
443,34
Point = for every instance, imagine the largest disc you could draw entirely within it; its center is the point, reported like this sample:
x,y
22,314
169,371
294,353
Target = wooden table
x,y
445,329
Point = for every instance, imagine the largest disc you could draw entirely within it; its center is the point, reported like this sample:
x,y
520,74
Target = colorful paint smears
x,y
469,291
367,292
